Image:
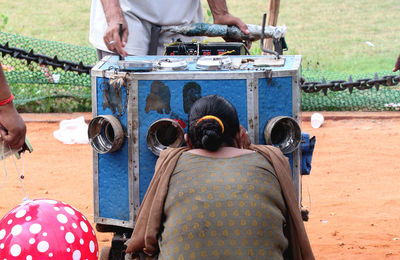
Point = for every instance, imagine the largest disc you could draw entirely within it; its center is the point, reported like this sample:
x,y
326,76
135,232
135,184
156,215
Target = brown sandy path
x,y
353,187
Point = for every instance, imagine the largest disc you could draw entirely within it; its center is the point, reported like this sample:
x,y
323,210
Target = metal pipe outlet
x,y
164,133
105,134
283,132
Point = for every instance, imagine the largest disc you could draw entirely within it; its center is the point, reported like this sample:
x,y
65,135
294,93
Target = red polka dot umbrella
x,y
46,229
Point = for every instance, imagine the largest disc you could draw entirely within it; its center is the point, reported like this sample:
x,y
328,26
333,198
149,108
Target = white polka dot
x,y
93,232
91,246
74,225
15,250
9,222
35,228
29,257
68,249
45,234
69,210
43,246
62,218
84,226
32,241
51,255
69,237
76,255
51,201
20,213
81,241
2,233
56,208
16,230
84,217
28,218
2,246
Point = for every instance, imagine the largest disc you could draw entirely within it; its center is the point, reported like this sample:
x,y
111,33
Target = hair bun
x,y
213,121
211,139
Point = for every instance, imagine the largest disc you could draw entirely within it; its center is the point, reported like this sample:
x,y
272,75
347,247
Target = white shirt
x,y
140,16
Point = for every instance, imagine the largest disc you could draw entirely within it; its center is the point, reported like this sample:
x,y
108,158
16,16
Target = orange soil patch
x,y
352,192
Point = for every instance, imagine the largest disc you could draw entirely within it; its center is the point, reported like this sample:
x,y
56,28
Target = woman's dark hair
x,y
207,134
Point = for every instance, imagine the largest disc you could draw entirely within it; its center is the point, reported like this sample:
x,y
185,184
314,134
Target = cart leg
x,y
304,214
118,247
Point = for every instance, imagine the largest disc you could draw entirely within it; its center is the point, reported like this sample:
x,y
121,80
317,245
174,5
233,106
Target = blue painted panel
x,y
113,169
275,99
233,90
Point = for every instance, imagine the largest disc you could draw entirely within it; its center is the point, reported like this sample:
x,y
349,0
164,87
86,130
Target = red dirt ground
x,y
352,192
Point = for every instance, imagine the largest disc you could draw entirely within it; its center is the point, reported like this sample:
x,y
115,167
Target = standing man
x,y
139,22
12,126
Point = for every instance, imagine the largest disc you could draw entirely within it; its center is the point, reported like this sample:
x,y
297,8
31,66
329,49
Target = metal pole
x,y
272,19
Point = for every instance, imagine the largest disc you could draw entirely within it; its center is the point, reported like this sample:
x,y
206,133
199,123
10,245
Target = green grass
x,y
331,35
55,20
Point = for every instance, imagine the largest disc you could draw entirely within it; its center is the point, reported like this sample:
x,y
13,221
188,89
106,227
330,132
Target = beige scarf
x,y
145,234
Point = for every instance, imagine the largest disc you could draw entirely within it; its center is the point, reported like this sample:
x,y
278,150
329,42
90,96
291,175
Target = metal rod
x,y
262,39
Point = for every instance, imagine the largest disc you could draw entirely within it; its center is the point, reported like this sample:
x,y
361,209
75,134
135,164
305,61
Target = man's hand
x,y
221,15
112,37
397,65
13,128
231,20
116,25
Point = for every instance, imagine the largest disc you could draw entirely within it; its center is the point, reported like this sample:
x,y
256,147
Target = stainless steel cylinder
x,y
283,132
105,134
164,133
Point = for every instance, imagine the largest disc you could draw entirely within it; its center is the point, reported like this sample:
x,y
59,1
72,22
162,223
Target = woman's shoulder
x,y
224,152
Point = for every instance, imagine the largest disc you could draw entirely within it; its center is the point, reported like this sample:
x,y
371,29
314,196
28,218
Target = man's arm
x,y
115,17
397,65
12,126
221,15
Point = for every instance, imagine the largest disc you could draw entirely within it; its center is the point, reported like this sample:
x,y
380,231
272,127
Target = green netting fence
x,y
387,98
45,89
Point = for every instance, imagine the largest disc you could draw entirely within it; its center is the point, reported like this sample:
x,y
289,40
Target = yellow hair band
x,y
211,117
